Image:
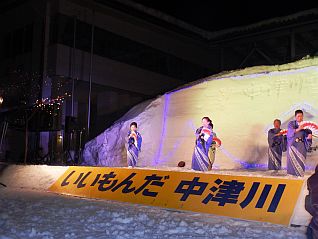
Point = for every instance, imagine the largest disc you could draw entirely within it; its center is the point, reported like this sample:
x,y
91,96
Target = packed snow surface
x,y
38,214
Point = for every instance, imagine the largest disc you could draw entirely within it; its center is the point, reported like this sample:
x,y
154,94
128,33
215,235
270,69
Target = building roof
x,y
158,17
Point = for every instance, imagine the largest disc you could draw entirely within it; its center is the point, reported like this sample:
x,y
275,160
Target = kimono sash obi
x,y
297,140
276,143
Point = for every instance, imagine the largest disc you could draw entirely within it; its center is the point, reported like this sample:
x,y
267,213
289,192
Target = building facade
x,y
97,59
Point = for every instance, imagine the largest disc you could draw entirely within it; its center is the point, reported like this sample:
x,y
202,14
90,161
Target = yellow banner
x,y
253,198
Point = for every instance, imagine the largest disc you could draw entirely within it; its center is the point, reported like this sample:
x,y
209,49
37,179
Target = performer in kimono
x,y
276,146
204,137
134,145
298,142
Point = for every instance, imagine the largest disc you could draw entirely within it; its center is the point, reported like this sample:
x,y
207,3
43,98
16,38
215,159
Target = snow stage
x,y
28,211
42,177
242,105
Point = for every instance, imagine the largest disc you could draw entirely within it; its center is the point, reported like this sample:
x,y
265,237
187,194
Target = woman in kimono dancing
x,y
134,145
204,137
298,142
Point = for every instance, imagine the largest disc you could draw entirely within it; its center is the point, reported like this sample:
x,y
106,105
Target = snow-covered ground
x,y
38,214
27,210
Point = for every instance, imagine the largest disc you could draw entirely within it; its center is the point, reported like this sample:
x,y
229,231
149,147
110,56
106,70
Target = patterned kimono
x,y
276,147
134,147
297,146
200,158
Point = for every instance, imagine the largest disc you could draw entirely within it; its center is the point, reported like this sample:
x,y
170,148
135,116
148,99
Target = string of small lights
x,y
51,105
25,89
21,93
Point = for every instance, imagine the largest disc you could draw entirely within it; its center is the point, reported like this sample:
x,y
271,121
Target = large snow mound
x,y
242,105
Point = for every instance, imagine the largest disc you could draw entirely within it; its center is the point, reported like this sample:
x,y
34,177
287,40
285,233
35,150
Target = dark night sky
x,y
217,15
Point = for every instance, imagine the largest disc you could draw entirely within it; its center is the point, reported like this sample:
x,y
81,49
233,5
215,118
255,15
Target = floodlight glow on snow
x,y
242,109
242,105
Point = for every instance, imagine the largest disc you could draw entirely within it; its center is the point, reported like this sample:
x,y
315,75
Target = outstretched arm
x,y
198,133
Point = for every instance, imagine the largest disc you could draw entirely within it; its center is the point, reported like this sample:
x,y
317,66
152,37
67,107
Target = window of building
x,y
119,48
17,42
